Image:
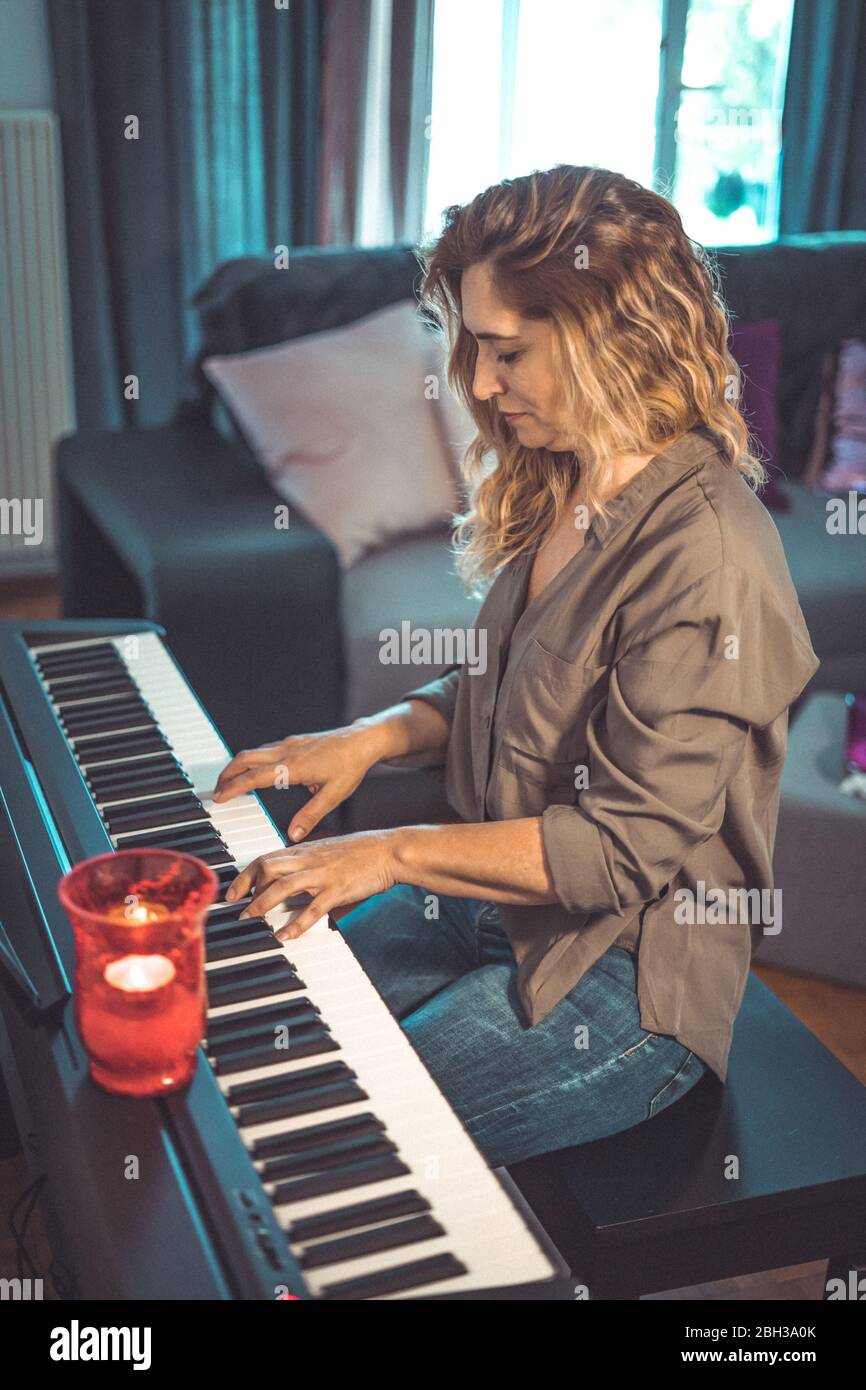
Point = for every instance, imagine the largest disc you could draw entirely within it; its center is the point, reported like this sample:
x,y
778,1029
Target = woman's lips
x,y
517,415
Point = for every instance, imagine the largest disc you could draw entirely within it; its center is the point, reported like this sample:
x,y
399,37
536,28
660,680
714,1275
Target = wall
x,y
25,65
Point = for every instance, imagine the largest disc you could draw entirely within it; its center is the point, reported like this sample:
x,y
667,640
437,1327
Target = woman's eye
x,y
508,357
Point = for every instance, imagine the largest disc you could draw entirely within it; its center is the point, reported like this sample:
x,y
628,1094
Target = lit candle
x,y
139,974
140,997
137,913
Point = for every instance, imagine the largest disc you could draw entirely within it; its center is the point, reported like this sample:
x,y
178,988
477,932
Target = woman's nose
x,y
486,383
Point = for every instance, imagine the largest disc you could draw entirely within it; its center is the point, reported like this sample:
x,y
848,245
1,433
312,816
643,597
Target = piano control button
x,y
269,1250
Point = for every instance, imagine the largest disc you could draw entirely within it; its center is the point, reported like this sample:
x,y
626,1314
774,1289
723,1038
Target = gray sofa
x,y
174,524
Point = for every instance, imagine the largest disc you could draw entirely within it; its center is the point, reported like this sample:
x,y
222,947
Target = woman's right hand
x,y
330,765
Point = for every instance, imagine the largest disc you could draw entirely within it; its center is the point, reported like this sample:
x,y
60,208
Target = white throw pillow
x,y
341,422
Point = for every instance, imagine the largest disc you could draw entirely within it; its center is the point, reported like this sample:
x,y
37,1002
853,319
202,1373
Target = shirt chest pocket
x,y
543,734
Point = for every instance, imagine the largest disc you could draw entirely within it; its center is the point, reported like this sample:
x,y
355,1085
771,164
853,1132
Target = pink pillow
x,y
756,346
341,423
457,425
845,469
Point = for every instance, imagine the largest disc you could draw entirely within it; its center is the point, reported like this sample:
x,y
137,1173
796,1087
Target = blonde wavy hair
x,y
640,346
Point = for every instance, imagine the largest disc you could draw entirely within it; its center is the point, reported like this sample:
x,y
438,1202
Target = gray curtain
x,y
225,93
823,175
349,92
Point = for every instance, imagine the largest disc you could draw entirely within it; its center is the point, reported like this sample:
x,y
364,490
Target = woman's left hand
x,y
336,871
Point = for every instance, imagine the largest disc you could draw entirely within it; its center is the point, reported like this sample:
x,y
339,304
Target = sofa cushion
x,y
814,283
839,457
829,574
343,425
412,581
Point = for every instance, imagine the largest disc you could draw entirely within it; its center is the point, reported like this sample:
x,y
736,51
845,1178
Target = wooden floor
x,y
834,1013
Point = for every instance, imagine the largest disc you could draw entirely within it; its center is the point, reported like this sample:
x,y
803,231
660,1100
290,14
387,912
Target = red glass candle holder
x,y
138,919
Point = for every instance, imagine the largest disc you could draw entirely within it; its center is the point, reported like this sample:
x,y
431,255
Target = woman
x,y
569,958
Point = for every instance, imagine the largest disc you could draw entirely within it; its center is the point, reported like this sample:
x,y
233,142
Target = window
x,y
683,95
729,119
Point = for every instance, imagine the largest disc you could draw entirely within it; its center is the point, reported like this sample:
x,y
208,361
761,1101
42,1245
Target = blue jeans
x,y
586,1070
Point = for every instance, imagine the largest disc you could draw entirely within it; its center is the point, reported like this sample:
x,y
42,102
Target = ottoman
x,y
820,854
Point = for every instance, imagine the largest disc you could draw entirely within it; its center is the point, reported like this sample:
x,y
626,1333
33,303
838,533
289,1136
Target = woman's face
x,y
514,367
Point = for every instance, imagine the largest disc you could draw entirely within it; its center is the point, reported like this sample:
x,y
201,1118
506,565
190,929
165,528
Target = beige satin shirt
x,y
639,706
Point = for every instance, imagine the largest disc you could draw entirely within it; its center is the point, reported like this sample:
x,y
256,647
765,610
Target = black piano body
x,y
142,1199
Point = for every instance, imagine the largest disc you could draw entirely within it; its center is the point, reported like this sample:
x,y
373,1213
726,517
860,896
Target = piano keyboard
x,y
379,1189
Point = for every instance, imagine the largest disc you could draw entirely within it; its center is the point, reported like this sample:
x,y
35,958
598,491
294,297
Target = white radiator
x,y
36,403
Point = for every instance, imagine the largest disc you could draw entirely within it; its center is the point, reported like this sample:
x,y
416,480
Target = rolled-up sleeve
x,y
669,735
440,693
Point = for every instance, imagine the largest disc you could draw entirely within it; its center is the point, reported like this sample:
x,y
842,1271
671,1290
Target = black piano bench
x,y
766,1171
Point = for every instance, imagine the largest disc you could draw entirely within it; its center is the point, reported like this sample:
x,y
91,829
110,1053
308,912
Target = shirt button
x,y
487,721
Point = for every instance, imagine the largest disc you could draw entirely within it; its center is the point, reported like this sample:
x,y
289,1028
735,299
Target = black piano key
x,y
305,1102
47,646
130,798
197,845
164,823
189,838
229,912
258,1018
408,1276
215,858
79,671
265,1036
87,651
277,969
66,692
310,1042
79,664
218,928
239,945
272,1088
338,1179
175,810
108,752
78,727
90,707
138,727
59,679
104,651
312,1136
327,1156
326,1223
141,788
143,764
391,1237
100,720
226,879
256,982
135,773
217,933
